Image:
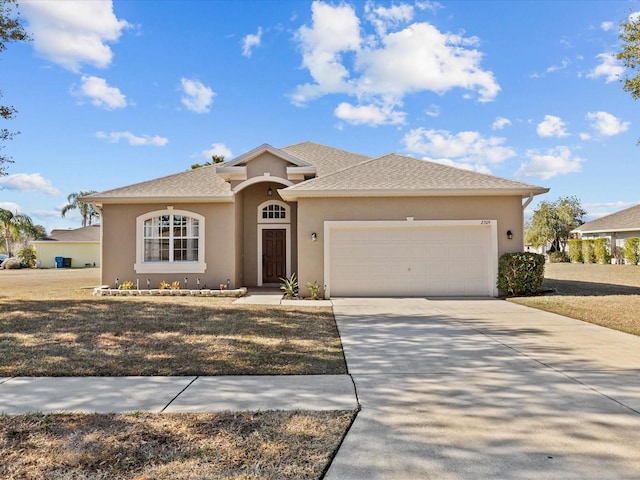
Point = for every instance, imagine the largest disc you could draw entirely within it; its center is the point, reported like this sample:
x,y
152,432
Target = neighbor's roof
x,y
84,234
400,175
197,185
622,221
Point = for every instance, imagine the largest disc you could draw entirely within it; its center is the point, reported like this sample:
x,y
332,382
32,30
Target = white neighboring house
x,y
81,245
616,227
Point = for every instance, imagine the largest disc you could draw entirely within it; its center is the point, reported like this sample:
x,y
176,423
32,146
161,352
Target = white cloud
x,y
218,149
28,182
606,26
607,124
500,122
556,161
433,111
383,18
250,42
609,68
468,148
101,94
368,115
196,96
11,206
585,136
74,32
552,126
386,66
134,140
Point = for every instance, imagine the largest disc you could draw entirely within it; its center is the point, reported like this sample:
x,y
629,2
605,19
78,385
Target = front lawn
x,y
607,295
50,325
50,329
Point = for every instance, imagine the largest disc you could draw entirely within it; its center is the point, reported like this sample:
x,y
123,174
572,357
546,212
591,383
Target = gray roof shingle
x,y
397,173
338,171
627,219
84,234
200,184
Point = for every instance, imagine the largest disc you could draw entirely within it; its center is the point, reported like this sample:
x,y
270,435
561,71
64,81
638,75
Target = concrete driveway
x,y
485,389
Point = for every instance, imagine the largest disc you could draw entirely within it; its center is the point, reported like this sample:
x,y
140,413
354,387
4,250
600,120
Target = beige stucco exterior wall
x,y
119,244
81,253
313,212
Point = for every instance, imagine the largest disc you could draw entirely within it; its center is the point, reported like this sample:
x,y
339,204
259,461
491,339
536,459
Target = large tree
x,y
630,54
15,225
87,212
11,30
552,222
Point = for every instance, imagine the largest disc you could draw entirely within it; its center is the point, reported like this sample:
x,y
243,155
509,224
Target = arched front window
x,y
170,240
273,211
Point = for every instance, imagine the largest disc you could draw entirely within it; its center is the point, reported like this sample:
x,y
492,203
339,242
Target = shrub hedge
x,y
520,273
575,250
632,250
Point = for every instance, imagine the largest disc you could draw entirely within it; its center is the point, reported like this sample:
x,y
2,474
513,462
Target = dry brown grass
x,y
247,446
50,326
607,295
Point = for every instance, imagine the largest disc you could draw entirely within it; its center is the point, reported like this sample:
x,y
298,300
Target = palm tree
x,y
13,225
86,210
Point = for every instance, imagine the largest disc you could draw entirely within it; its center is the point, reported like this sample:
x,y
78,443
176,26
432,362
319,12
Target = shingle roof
x,y
200,184
624,220
397,174
325,159
339,172
84,234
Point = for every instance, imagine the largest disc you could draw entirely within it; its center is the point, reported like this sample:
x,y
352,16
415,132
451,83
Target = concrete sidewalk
x,y
176,394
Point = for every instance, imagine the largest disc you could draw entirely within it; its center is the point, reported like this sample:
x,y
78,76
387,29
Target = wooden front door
x,y
274,255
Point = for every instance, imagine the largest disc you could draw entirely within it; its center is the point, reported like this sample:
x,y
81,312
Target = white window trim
x,y
286,207
169,267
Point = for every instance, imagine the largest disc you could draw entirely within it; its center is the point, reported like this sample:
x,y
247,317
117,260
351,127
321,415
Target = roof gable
x,y
264,148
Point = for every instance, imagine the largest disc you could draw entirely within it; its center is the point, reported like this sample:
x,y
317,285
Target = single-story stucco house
x,y
81,245
356,225
616,227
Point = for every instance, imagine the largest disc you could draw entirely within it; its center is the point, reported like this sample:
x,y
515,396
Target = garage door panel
x,y
410,261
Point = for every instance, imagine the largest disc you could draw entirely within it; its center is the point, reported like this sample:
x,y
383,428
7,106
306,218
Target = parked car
x,y
3,257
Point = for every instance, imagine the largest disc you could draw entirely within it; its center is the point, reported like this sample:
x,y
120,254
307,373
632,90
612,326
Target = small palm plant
x,y
289,286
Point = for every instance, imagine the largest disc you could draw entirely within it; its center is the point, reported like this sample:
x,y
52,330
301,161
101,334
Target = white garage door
x,y
420,258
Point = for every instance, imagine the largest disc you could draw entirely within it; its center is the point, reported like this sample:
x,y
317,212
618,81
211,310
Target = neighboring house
x,y
356,225
616,227
81,245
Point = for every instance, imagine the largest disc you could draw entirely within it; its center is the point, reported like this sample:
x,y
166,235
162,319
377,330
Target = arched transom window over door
x,y
273,211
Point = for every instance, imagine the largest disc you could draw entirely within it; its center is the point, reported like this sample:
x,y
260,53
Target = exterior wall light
x,y
269,192
314,237
509,234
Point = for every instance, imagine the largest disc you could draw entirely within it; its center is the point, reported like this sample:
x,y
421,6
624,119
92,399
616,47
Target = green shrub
x,y
520,273
558,257
314,290
575,250
601,250
632,250
289,286
588,251
27,257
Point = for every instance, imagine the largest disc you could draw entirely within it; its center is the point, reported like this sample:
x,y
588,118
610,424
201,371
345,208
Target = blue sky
x,y
114,93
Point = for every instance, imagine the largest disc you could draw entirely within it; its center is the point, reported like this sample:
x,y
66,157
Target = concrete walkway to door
x,y
485,389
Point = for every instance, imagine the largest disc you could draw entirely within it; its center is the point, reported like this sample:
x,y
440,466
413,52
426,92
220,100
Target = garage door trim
x,y
492,257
